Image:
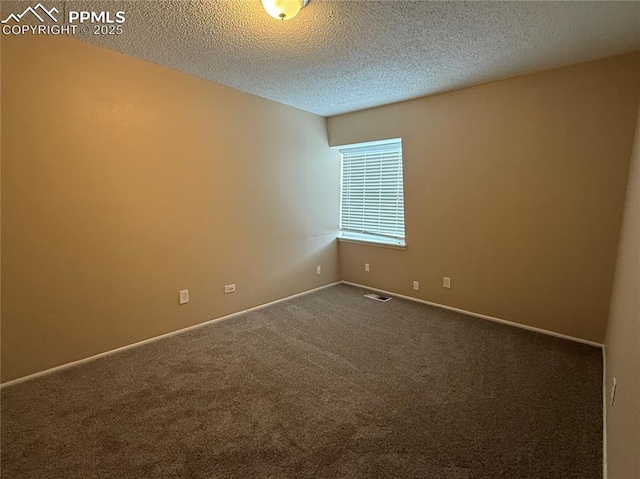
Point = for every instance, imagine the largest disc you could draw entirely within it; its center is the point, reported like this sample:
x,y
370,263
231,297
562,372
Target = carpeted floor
x,y
328,385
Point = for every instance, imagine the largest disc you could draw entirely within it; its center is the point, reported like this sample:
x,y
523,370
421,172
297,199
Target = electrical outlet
x,y
446,282
416,286
613,390
318,269
229,288
184,296
366,267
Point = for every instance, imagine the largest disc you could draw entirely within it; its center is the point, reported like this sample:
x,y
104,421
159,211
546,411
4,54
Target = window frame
x,y
373,238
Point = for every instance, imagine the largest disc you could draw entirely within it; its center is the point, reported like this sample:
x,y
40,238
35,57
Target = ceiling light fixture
x,y
283,9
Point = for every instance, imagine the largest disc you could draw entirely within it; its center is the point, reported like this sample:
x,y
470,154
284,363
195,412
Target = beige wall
x,y
623,339
514,189
124,182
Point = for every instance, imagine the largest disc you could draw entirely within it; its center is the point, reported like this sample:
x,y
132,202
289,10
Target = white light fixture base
x,y
283,9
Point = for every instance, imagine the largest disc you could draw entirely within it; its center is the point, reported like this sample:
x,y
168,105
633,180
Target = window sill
x,y
372,241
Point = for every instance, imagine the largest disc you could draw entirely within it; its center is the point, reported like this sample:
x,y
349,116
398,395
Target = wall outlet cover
x,y
184,296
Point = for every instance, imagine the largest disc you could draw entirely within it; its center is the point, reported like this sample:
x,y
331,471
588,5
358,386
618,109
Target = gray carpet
x,y
328,385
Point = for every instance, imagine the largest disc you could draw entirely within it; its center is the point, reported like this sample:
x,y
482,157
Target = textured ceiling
x,y
340,56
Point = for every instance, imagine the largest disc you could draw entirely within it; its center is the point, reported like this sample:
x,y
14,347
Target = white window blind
x,y
372,197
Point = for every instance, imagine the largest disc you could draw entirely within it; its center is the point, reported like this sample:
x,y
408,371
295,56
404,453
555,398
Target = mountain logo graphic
x,y
34,10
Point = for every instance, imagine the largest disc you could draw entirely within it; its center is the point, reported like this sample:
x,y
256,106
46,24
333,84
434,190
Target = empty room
x,y
320,239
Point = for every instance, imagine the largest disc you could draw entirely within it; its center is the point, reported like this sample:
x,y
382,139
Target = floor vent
x,y
377,297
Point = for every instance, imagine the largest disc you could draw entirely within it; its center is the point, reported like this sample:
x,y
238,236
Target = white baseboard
x,y
482,316
73,364
229,316
605,466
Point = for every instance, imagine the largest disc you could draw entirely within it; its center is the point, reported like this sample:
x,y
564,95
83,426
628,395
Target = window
x,y
372,193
